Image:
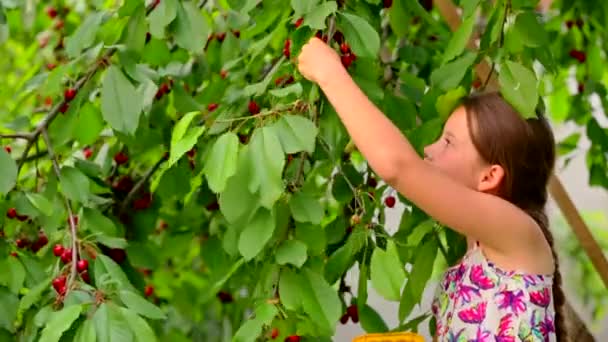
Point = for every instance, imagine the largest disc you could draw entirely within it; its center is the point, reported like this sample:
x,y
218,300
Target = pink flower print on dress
x,y
505,329
547,326
475,314
531,280
459,337
479,278
541,298
512,300
466,293
482,336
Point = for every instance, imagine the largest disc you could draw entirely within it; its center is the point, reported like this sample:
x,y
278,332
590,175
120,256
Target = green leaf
x,y
86,332
316,18
33,295
236,202
459,40
320,301
291,252
182,138
267,161
423,267
313,236
469,7
134,35
531,32
115,272
342,259
446,103
121,104
59,322
222,161
363,38
120,329
161,17
84,36
449,75
305,208
387,272
141,306
95,222
295,89
41,203
101,321
252,328
139,326
257,233
9,303
519,87
191,29
90,124
17,273
74,184
8,172
302,7
595,63
296,134
289,289
371,321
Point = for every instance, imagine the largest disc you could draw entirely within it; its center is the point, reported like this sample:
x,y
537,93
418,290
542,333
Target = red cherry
x,y
344,318
82,265
22,218
221,36
69,94
338,37
298,22
387,3
225,297
390,201
274,333
372,182
292,338
42,240
87,152
85,277
149,290
476,83
51,12
191,153
74,220
286,48
58,250
124,184
253,107
347,60
155,3
213,206
48,101
569,23
236,33
581,87
148,37
14,254
143,202
212,106
345,48
8,149
64,107
22,243
118,255
353,312
59,284
66,256
121,158
59,24
223,74
578,55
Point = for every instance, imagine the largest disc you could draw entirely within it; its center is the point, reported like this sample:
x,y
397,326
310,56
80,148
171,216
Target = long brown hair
x,y
525,148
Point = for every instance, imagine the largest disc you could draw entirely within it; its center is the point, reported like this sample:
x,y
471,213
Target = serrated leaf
x,y
518,85
191,28
33,295
140,305
459,40
134,35
86,332
447,102
317,16
74,184
115,272
291,252
320,301
302,7
296,134
96,223
531,32
257,233
161,17
295,89
305,208
60,322
236,201
101,321
267,161
90,124
41,203
84,36
449,75
9,303
222,161
17,274
289,289
387,272
142,330
8,172
121,104
183,138
252,328
363,38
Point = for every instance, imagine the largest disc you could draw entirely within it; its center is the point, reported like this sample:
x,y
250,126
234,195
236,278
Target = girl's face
x,y
454,153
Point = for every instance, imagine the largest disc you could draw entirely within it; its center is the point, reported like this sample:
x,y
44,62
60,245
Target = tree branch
x,y
25,136
53,157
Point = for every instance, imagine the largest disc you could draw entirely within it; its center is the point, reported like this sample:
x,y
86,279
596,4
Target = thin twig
x,y
501,42
53,157
24,136
140,184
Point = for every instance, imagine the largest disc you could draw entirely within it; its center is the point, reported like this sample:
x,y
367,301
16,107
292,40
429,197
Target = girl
x,y
486,177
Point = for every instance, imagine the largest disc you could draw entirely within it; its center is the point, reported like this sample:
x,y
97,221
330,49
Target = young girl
x,y
486,177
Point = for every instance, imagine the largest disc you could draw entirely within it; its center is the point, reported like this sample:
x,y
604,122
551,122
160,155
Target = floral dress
x,y
478,302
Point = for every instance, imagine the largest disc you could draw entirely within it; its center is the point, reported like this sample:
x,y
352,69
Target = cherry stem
x,y
53,157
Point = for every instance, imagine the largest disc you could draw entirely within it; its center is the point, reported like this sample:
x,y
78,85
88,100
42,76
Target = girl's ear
x,y
490,179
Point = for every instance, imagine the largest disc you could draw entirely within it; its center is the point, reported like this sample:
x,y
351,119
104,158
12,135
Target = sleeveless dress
x,y
478,302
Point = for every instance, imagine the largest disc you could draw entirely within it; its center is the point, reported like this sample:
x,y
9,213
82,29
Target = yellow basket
x,y
390,337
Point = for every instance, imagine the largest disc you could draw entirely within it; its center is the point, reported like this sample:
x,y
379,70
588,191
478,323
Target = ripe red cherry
x,y
85,277
253,107
11,213
121,158
286,48
345,48
274,333
64,107
353,312
8,149
88,152
66,256
299,22
21,243
82,265
51,12
69,94
212,106
292,338
387,3
149,290
390,201
58,250
59,284
578,55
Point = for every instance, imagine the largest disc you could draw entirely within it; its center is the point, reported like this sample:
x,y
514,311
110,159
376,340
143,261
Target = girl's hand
x,y
318,62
